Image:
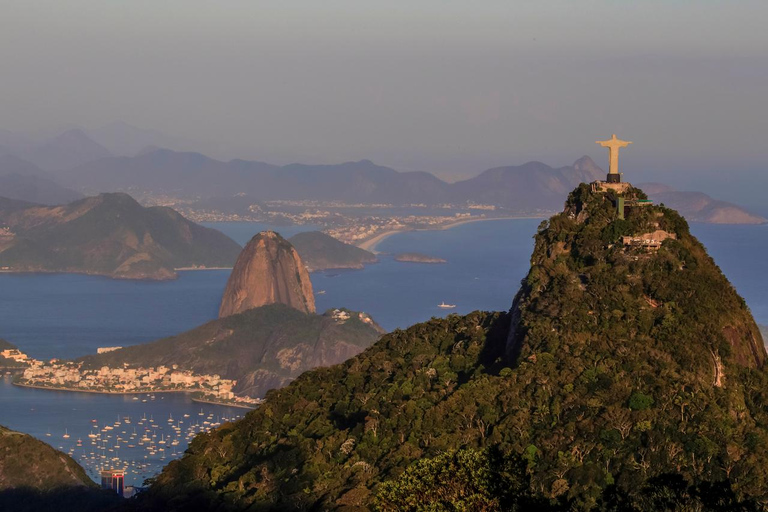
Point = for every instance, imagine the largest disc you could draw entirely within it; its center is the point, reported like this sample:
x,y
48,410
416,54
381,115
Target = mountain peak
x,y
268,271
588,166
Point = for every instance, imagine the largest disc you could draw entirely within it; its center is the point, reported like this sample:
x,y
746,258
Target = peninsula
x,y
320,251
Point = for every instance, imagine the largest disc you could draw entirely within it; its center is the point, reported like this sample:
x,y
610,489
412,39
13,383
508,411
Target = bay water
x,y
67,315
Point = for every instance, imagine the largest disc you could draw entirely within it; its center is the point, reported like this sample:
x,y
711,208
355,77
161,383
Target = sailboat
x,y
443,305
66,434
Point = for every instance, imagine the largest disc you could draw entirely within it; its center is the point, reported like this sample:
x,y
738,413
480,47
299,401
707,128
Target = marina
x,y
136,434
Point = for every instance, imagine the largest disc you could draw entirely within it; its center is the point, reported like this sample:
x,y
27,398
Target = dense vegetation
x,y
319,251
110,234
621,378
35,477
261,348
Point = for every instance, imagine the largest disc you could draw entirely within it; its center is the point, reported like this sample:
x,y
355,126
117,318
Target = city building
x,y
113,479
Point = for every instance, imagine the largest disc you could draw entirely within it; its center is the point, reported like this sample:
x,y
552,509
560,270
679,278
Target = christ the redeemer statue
x,y
613,144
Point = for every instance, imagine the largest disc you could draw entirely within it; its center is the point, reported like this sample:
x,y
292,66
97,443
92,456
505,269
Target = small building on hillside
x,y
650,241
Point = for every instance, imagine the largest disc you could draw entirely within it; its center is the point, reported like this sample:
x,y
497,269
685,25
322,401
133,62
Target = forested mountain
x,y
624,377
262,348
36,478
319,251
110,234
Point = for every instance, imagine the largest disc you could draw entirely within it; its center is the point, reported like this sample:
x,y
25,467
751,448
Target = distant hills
x,y
25,181
120,157
319,251
109,234
262,348
67,150
699,207
533,186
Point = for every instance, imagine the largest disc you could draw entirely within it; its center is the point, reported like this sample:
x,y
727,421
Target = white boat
x,y
443,305
66,434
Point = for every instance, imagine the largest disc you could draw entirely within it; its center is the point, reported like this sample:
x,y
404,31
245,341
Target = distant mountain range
x,y
533,186
110,234
120,157
25,181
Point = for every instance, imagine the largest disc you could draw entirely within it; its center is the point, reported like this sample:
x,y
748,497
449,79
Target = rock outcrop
x,y
268,271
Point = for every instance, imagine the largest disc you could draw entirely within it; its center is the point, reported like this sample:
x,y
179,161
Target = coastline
x,y
371,243
223,404
96,392
93,391
191,269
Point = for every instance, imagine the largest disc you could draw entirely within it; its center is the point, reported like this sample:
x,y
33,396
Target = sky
x,y
449,87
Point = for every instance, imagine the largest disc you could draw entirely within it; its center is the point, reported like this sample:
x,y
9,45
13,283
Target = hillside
x,y
533,186
110,234
621,375
35,477
262,348
319,251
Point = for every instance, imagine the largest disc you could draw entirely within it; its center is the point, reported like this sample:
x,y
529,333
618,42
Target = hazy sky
x,y
446,86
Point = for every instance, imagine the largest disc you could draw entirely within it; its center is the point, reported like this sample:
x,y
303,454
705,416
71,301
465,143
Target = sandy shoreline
x,y
371,243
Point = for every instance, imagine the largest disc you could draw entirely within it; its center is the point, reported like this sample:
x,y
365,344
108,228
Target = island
x,y
415,257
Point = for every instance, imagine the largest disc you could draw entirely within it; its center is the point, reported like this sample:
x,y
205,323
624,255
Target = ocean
x,y
66,316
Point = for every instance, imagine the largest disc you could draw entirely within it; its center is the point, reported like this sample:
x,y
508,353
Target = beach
x,y
371,243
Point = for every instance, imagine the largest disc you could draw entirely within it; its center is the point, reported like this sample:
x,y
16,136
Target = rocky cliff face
x,y
268,271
